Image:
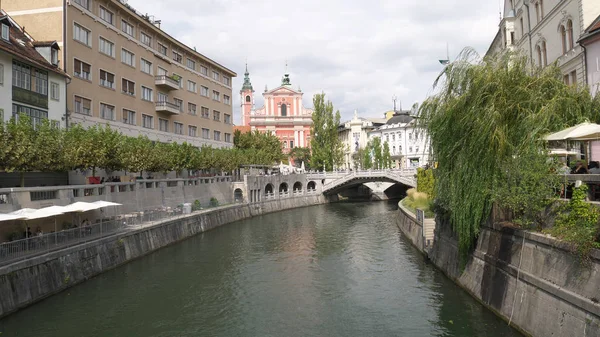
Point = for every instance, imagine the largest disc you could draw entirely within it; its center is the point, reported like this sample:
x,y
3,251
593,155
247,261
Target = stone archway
x,y
269,190
311,186
238,195
283,188
297,187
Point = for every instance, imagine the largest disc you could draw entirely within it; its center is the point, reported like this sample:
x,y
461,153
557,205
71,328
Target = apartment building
x,y
547,31
130,74
30,80
354,134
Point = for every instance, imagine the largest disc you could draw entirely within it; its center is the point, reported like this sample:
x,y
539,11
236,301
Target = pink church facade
x,y
282,114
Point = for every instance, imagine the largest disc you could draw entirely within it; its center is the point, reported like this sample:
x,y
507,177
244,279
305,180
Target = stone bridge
x,y
336,181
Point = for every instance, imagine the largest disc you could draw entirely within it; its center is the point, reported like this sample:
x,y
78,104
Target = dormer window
x,y
54,56
5,32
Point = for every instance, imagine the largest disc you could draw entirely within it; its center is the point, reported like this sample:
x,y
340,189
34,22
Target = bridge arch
x,y
283,187
311,185
297,186
269,189
238,195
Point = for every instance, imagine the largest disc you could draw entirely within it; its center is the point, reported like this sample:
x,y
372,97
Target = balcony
x,y
166,82
168,107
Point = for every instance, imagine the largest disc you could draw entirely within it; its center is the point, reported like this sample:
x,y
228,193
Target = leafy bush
x,y
419,200
426,182
214,202
196,205
577,223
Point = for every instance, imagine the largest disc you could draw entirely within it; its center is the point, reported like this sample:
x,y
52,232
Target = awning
x,y
81,207
32,214
583,131
7,217
103,204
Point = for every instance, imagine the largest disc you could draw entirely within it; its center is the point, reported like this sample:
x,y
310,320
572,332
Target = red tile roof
x,y
242,128
21,46
594,27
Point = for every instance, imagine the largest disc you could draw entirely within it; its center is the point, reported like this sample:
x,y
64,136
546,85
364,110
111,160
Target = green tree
x,y
327,148
375,146
136,154
110,141
18,148
485,114
387,157
48,147
301,155
83,149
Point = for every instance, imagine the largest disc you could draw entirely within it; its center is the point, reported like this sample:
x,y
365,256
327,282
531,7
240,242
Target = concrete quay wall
x,y
28,281
531,280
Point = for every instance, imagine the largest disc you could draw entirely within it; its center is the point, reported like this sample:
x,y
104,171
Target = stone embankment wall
x,y
531,280
28,281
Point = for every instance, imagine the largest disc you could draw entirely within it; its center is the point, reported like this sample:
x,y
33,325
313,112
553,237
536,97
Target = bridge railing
x,y
395,173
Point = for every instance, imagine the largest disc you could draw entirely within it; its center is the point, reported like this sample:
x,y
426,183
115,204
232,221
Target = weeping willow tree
x,y
485,114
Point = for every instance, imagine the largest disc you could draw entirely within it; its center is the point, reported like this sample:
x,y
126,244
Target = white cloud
x,y
358,52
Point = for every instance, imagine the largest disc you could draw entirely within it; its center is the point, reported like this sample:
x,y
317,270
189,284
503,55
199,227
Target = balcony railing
x,y
166,82
168,107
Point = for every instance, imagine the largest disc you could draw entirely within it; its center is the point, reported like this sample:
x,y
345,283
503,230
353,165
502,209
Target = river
x,y
332,270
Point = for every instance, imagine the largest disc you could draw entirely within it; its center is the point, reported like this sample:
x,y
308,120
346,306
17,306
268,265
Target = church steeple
x,y
247,85
285,80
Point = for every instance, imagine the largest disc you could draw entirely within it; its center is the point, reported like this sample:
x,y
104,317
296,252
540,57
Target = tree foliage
x,y
327,148
485,115
301,155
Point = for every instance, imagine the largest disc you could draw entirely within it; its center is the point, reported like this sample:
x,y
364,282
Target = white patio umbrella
x,y
302,167
583,131
103,204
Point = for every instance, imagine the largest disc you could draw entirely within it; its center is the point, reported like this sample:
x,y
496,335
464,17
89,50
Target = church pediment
x,y
286,90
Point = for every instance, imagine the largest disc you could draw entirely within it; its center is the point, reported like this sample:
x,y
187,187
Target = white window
x,y
82,70
179,79
82,35
5,32
106,15
226,80
128,87
227,119
83,106
54,91
192,86
163,125
148,122
192,130
204,70
147,94
107,79
1,76
54,56
146,66
228,137
204,91
191,64
162,49
216,95
107,47
162,72
146,39
177,57
226,99
215,76
217,135
205,112
216,115
107,111
191,108
162,97
178,128
179,103
83,3
205,133
127,28
128,57
128,117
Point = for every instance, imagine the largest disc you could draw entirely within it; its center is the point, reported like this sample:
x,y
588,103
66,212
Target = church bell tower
x,y
247,98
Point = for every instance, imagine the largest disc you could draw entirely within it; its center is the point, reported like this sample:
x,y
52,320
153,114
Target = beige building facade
x,y
130,74
547,31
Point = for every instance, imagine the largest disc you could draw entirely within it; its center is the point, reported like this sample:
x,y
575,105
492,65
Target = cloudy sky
x,y
360,53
